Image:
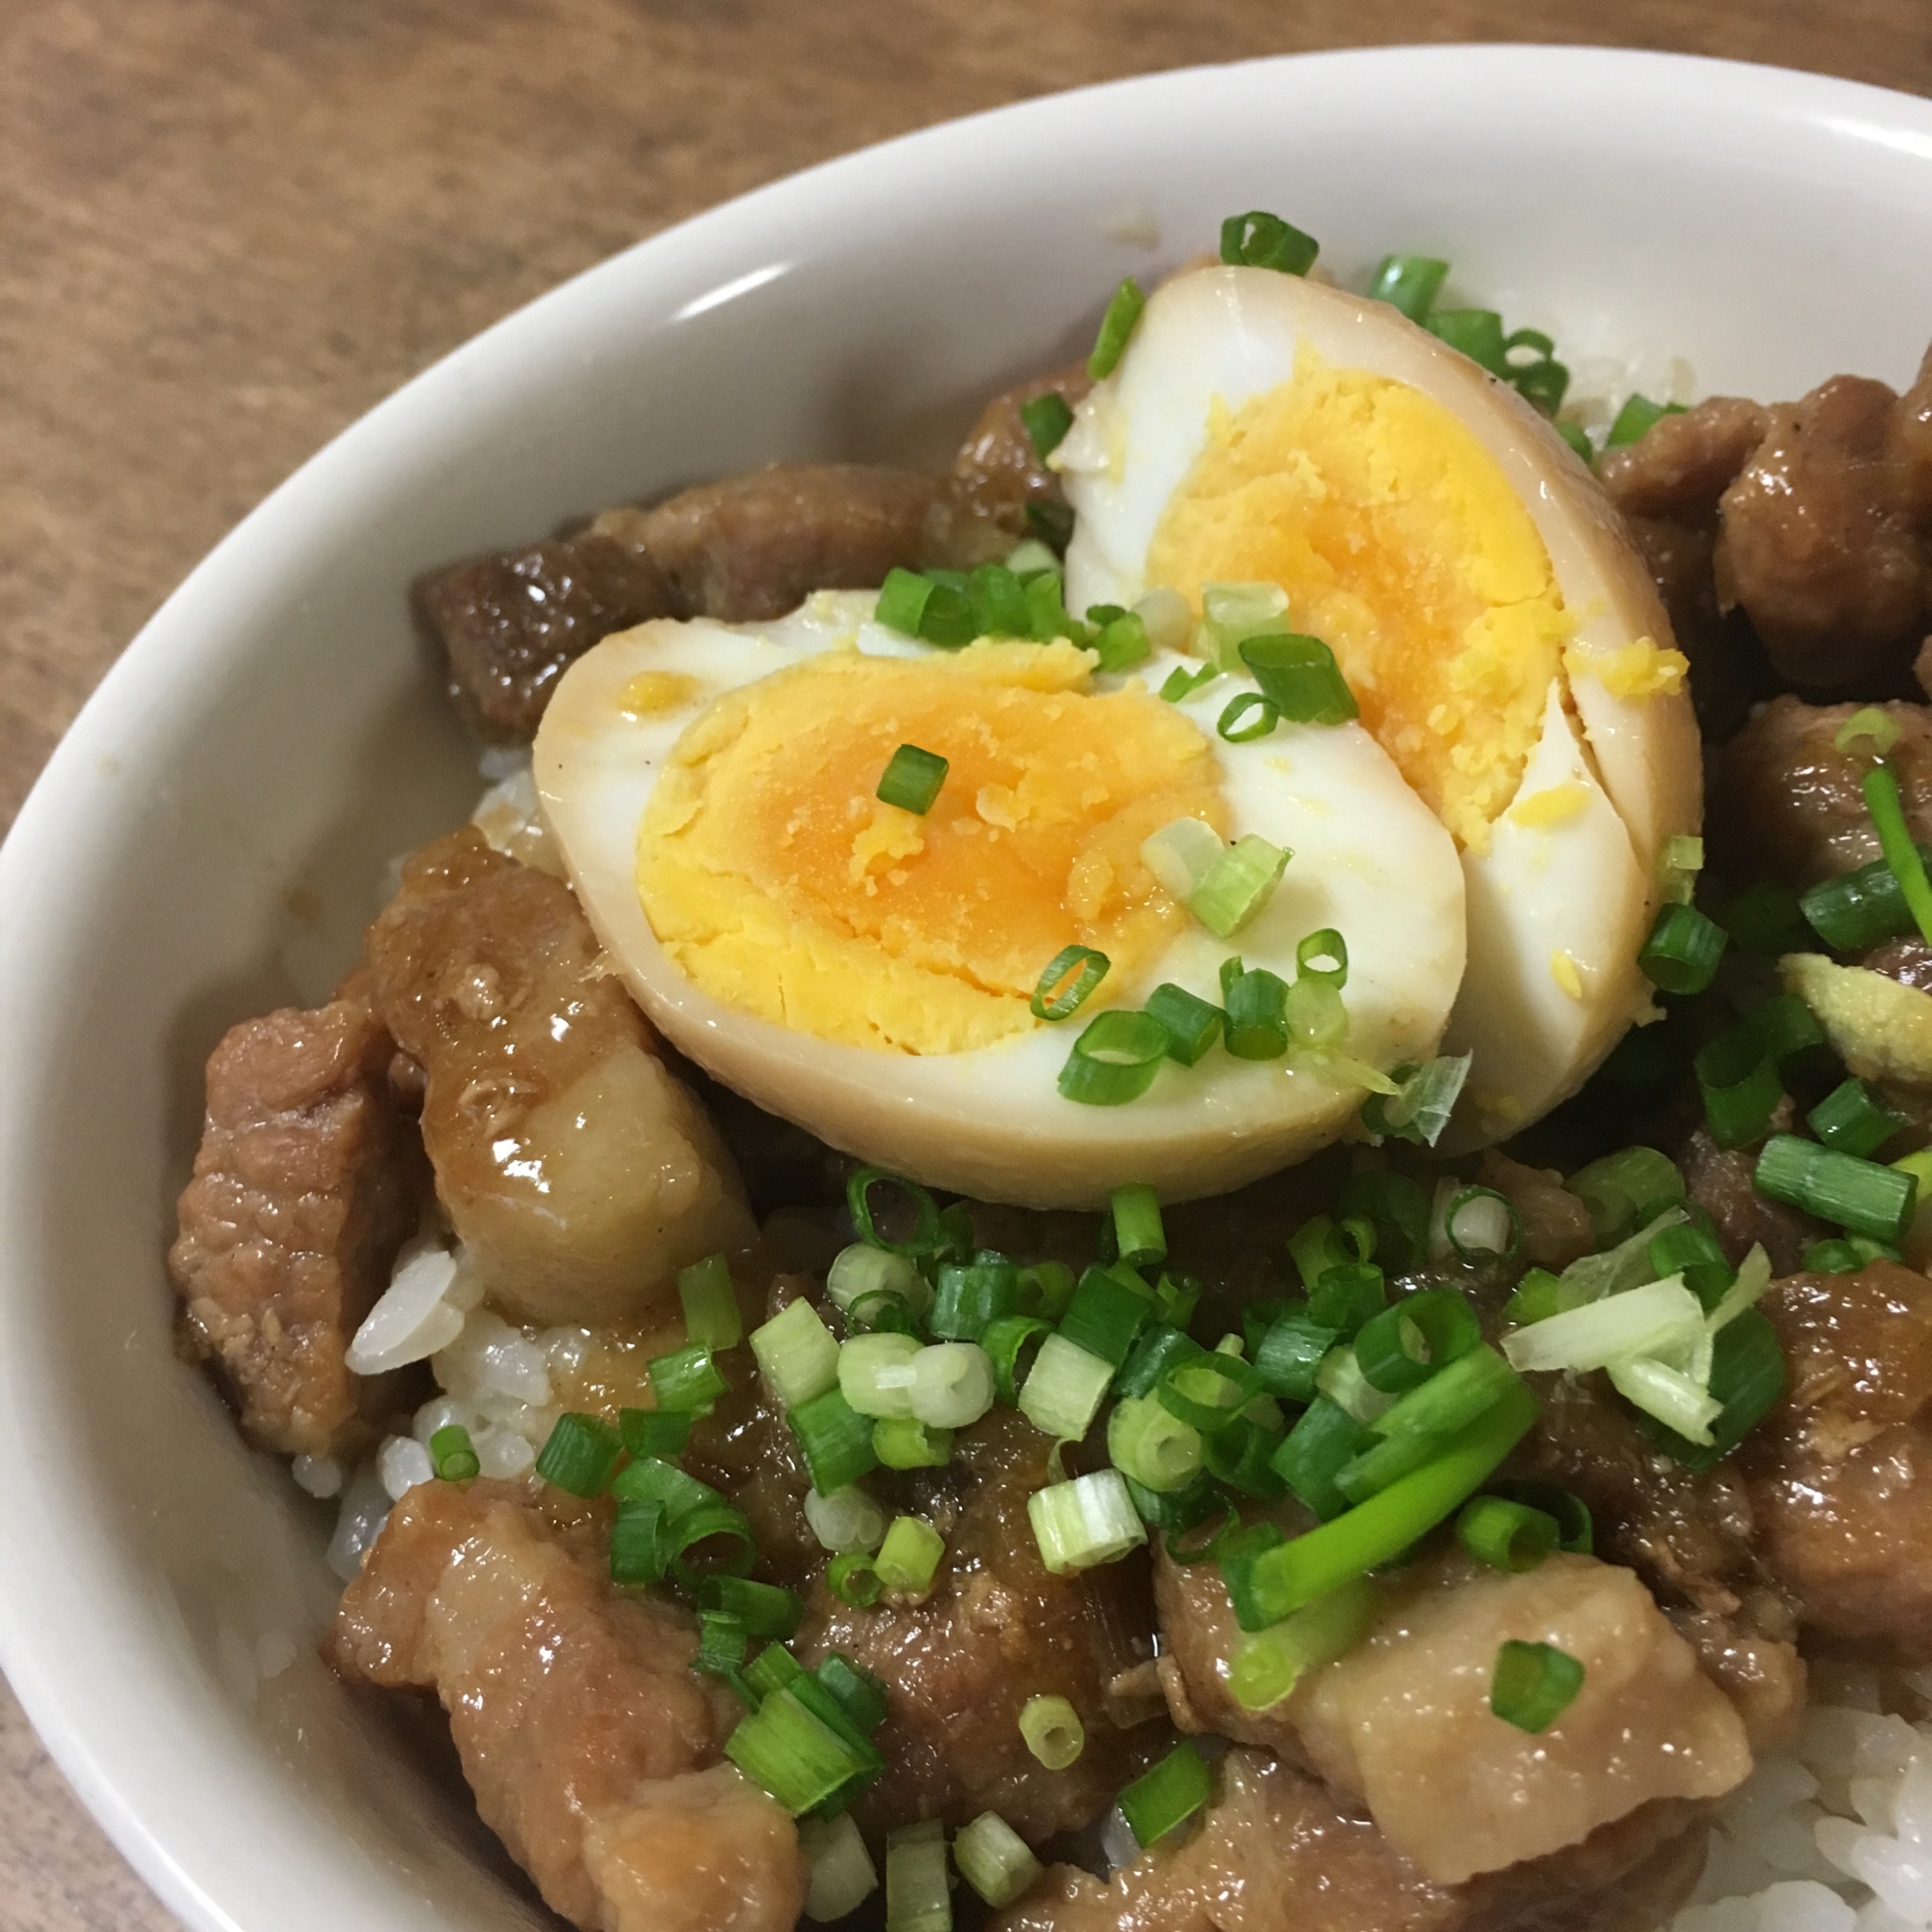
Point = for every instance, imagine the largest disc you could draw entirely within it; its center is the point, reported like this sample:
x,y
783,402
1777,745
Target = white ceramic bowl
x,y
208,840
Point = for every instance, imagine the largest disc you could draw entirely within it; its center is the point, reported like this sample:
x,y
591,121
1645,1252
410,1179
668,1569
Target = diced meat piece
x,y
577,1169
1557,1225
1909,961
1786,804
512,624
1277,1853
1841,1472
756,545
1680,466
1689,1536
996,1630
1762,1674
1721,1180
1826,542
593,1750
980,512
308,1180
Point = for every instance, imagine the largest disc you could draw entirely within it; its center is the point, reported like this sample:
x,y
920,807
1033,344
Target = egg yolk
x,y
1401,544
781,885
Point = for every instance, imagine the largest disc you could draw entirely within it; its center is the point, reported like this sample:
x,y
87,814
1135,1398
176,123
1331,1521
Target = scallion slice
x,y
904,1442
687,1380
848,1519
722,1641
916,1888
842,1873
638,1557
581,1453
994,1859
1010,1343
911,779
853,1579
1857,910
1106,1314
1409,283
1290,1353
1053,1731
908,1559
903,601
1120,642
1482,1225
1193,1024
1746,1377
1065,1389
1324,1439
1046,417
1256,1017
1206,1391
836,1438
453,1454
1180,853
875,1374
1420,1109
764,1609
1635,420
1571,1514
1741,1085
1085,1522
1152,1446
1158,1349
1534,1682
1507,1535
1116,325
1851,1120
1347,1297
1155,1804
1247,716
728,1530
1624,1189
1068,978
1858,1194
1402,1347
797,1354
1259,239
1115,1060
926,1231
790,1752
860,1271
1300,678
1181,683
1652,1320
952,1384
647,1433
1138,1234
1238,884
1317,1022
1268,1665
1476,332
1323,955
1681,955
650,1479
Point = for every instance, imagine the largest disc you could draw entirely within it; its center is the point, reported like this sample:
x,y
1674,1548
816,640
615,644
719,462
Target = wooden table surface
x,y
227,227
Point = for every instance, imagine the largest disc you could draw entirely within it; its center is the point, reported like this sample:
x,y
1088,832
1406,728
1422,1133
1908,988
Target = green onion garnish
x,y
1158,1349
715,1523
851,1577
647,1433
1153,1447
1268,1665
1105,1314
1120,640
1682,952
1138,1233
686,1380
1695,1253
1206,1391
1748,1377
1047,418
903,601
453,1454
1257,1015
860,1271
1240,1458
792,1753
842,1875
1851,1120
1247,716
836,1438
722,1642
1534,1682
972,1295
1901,855
1476,332
710,1307
581,1453
1115,1060
875,1374
1167,1796
1346,1297
763,1609
1635,420
1324,1439
1482,1225
1123,312
796,1354
1409,283
847,1520
1193,1024
998,601
1832,1257
916,1885
1401,1348
904,1442
1300,678
1053,1731
926,1234
1010,1343
1625,1190
1323,955
1420,1109
923,605
1289,1353
1069,978
1506,1535
1181,683
952,1384
1088,1521
1858,1194
638,1555
994,1859
1259,239
1857,910
911,779
908,1560
1741,1085
1871,726
1574,1535
1065,1389
1578,439
649,1479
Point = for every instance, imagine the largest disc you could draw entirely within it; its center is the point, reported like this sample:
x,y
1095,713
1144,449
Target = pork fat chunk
x,y
577,1171
595,1751
308,1180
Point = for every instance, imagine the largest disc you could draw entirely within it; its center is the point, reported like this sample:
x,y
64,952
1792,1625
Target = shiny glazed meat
x,y
580,1174
996,1630
1841,1473
1276,1853
1721,1181
593,1750
308,1180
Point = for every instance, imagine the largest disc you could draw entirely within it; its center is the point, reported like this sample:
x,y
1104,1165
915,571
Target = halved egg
x,y
1503,639
867,971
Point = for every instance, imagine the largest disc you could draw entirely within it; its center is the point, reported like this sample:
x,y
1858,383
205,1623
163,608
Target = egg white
x,y
1227,334
1370,860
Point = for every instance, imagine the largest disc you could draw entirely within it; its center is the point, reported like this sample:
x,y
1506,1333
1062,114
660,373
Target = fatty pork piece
x,y
1402,1724
1841,1473
308,1180
1277,1852
577,1171
996,1630
595,1751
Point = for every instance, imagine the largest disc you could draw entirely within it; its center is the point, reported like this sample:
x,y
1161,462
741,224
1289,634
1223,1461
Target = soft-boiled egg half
x,y
867,971
1504,641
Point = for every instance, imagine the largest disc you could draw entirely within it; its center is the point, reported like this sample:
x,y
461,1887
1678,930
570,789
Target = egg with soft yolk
x,y
867,970
1502,638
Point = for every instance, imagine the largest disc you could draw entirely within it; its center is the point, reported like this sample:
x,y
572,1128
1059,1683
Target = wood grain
x,y
227,227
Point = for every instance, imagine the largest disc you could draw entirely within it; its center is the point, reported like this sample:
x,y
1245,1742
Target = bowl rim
x,y
43,1662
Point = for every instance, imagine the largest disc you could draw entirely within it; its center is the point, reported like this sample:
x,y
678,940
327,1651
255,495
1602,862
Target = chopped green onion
x,y
1065,1389
1268,1665
1482,1225
1849,1119
1241,1456
1420,1109
1047,418
1259,239
1537,1296
1681,955
1237,885
1475,332
994,1859
904,1442
650,1479
1636,420
859,1272
1256,1020
1070,976
1450,1398
836,1438
1569,1512
1167,1796
1402,1347
1409,283
1678,861
1832,1257
1006,1342
1232,611
908,1559
1153,1447
1180,854
1105,1316
842,1875
1206,1391
852,1580
1052,523
999,608
860,1692
1397,1211
1592,1277
1534,1682
1123,312
1321,1443
903,601
775,1668
713,1522
1506,1535
453,1454
1543,383
911,779
721,1644
1115,1060
1299,677
1345,1297
1088,1521
1901,855
952,1384
1047,617
797,1354
1341,1379
916,1886
1046,1288
1158,1349
1323,955
581,1453
1858,1194
1382,1461
926,1234
1741,1085
1648,1321
710,1306
1746,1378
972,1294
1857,910
1625,1188
687,1380
1181,683
875,1374
638,1555
1192,1023
1696,1253
1871,725
1290,1353
1673,1395
1246,717
1137,1230
848,1519
1317,1019
764,1609
792,1753
1053,1731
1121,642
647,1433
